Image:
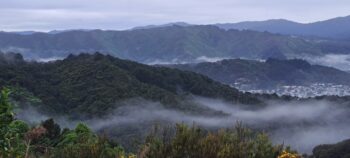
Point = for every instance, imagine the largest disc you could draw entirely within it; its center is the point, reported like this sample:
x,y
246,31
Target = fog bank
x,y
303,125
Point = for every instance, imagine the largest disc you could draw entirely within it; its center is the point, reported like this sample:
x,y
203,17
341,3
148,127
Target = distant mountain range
x,y
269,74
170,44
185,43
164,25
50,32
337,28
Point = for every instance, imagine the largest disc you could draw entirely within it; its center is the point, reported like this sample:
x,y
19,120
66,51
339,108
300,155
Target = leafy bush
x,y
11,131
194,142
286,154
17,139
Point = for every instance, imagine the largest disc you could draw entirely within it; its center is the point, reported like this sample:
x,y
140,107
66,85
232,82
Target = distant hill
x,y
10,58
93,84
337,28
268,74
338,150
170,44
164,25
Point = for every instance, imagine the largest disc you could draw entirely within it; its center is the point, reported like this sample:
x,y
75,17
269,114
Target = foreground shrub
x,y
17,139
194,142
47,140
286,154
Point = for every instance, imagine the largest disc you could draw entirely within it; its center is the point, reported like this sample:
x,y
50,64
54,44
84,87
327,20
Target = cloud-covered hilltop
x,y
174,44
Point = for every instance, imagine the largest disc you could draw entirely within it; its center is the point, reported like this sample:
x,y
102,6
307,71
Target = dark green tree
x,y
11,131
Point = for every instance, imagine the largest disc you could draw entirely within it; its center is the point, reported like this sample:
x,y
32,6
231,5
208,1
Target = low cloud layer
x,y
339,61
303,125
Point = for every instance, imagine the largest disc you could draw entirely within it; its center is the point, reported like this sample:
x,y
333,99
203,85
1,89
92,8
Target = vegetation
x,y
195,142
17,139
334,28
338,150
268,74
93,84
172,43
286,154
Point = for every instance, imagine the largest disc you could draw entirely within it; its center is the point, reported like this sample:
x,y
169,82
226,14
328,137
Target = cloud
x,y
339,61
209,59
301,124
178,61
123,14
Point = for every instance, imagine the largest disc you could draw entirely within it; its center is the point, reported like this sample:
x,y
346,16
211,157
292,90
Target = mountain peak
x,y
162,25
337,28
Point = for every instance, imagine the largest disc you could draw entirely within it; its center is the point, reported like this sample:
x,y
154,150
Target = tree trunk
x,y
27,149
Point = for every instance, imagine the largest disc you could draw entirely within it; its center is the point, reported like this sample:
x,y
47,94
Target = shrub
x,y
194,142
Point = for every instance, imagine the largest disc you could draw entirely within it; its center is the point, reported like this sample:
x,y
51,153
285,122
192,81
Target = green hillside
x,y
268,74
93,84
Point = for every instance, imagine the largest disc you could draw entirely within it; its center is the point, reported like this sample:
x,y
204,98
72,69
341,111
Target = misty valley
x,y
126,101
258,89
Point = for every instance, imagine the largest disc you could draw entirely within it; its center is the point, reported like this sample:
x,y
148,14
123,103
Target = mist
x,y
339,61
300,124
209,59
180,61
45,60
303,125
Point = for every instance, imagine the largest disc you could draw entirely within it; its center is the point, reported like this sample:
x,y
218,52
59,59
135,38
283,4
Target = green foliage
x,y
19,126
194,142
18,140
82,142
15,136
6,114
22,95
82,129
88,85
99,148
11,131
81,134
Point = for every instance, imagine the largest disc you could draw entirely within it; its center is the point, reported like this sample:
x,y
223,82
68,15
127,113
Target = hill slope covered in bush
x,y
94,84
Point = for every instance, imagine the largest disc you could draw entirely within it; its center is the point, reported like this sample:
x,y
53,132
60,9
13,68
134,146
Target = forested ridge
x,y
268,74
93,84
165,44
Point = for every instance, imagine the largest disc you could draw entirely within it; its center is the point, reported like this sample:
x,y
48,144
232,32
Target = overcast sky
x,y
44,15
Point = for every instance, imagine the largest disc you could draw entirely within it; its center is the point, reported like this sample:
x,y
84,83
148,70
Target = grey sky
x,y
44,15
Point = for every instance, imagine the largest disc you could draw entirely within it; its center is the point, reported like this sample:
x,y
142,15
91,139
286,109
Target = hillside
x,y
338,150
268,74
170,44
337,28
124,99
93,84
